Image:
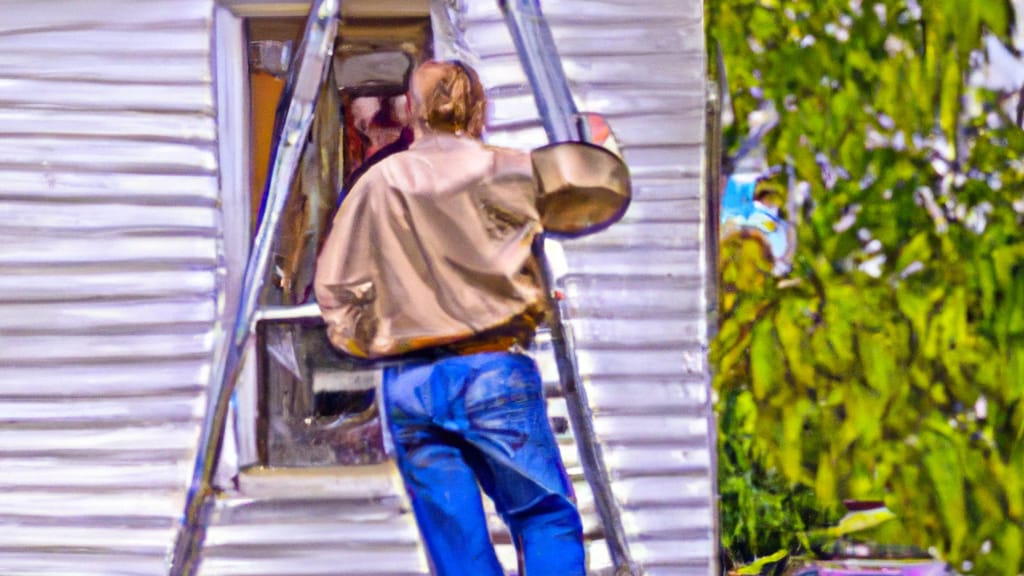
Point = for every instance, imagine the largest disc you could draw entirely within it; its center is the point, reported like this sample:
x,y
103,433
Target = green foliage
x,y
890,365
761,511
762,564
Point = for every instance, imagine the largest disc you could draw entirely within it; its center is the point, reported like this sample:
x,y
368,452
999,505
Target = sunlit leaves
x,y
908,386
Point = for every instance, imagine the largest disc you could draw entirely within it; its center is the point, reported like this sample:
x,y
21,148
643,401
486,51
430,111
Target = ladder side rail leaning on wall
x,y
563,123
303,87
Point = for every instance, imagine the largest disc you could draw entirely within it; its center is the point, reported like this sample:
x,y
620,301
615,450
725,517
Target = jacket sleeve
x,y
345,271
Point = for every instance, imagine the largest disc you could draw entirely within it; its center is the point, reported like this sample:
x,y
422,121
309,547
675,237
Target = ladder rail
x,y
562,121
300,94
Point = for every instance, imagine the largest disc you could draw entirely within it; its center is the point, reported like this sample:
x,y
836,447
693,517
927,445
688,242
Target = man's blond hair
x,y
447,96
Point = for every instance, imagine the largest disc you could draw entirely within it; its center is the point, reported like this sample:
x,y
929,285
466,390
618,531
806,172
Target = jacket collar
x,y
444,141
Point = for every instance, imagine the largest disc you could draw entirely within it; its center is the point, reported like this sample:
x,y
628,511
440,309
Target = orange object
x,y
265,94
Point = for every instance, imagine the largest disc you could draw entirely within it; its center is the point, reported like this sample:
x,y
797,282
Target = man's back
x,y
432,246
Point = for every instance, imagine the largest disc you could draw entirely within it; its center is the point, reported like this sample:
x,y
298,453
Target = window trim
x,y
350,8
233,141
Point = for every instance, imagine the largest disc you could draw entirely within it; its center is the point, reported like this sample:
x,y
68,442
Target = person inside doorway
x,y
383,124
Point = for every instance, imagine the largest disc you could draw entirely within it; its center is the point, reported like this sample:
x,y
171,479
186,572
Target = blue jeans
x,y
481,418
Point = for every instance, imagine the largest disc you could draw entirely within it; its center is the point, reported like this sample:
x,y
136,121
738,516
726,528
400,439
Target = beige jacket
x,y
431,247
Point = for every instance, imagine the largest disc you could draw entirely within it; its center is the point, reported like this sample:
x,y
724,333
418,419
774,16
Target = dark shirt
x,y
400,145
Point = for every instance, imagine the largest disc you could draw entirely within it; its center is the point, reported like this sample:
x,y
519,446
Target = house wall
x,y
112,273
109,277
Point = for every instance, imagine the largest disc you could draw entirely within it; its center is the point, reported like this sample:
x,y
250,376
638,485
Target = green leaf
x,y
765,361
791,450
859,521
825,482
879,361
947,483
986,277
995,14
1011,549
792,334
918,249
762,563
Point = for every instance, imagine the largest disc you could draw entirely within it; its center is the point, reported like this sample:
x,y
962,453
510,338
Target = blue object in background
x,y
738,199
740,210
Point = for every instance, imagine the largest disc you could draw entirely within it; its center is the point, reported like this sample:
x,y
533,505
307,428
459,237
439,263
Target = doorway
x,y
313,406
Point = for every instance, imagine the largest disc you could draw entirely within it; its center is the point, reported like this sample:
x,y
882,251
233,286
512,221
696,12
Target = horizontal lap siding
x,y
635,291
109,277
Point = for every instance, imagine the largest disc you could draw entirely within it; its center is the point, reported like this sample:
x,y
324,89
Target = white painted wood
x,y
62,36
45,182
108,317
91,476
233,140
192,342
115,252
109,224
115,66
42,218
55,505
68,284
87,439
93,154
28,17
99,410
124,379
115,124
98,96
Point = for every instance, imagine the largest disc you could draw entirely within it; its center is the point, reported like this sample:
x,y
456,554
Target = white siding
x,y
109,277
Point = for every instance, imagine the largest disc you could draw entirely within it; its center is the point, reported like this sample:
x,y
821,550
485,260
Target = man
x,y
431,260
